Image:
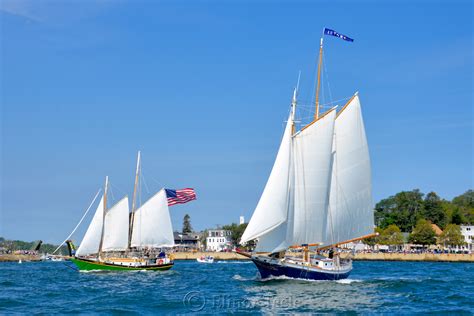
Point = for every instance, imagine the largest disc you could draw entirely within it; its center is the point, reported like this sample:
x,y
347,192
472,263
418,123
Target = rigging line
x,y
327,77
118,189
146,186
112,194
330,103
156,181
322,85
310,106
80,221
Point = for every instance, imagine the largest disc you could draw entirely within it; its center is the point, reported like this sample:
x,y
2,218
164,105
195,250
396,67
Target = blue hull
x,y
267,270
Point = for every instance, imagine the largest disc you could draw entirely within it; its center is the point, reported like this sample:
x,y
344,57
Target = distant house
x,y
185,242
468,232
219,240
436,229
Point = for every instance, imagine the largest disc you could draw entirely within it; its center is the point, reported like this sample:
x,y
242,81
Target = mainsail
x,y
91,242
152,223
116,227
350,213
312,152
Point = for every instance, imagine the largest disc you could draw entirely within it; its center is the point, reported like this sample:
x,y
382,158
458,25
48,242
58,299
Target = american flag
x,y
180,196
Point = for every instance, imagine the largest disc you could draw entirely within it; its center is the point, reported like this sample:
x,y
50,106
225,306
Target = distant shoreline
x,y
421,257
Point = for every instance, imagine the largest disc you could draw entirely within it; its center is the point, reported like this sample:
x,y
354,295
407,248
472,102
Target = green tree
x,y
457,217
451,236
372,241
187,228
433,209
465,202
236,232
391,236
423,233
401,209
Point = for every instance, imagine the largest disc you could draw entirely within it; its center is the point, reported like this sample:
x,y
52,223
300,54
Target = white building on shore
x,y
218,240
468,232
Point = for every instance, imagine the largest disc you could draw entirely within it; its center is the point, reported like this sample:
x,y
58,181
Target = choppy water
x,y
374,287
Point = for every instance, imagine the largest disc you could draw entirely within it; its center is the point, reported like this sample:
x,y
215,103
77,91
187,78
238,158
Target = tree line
x,y
405,209
13,245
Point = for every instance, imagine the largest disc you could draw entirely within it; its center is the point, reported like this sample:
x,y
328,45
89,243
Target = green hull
x,y
88,265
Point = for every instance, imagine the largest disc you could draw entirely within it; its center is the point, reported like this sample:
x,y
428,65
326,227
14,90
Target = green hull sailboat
x,y
120,240
90,265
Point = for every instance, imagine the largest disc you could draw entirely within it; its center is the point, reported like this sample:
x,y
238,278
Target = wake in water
x,y
349,281
283,277
241,278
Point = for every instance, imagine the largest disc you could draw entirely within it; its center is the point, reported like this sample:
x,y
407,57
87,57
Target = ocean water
x,y
234,287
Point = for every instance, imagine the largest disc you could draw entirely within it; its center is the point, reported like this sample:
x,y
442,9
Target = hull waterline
x,y
90,265
270,269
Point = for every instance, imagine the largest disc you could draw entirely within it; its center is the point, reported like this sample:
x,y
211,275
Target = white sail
x,y
91,241
350,209
312,162
272,208
152,223
281,237
116,227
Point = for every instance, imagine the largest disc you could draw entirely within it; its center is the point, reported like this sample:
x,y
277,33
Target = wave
x,y
241,278
235,261
348,281
284,277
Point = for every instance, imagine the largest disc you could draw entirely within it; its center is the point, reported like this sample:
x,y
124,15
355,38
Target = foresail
x,y
350,209
272,208
273,241
312,163
116,227
91,241
152,223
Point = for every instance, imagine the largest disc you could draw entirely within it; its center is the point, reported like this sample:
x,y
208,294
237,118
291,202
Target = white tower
x,y
242,220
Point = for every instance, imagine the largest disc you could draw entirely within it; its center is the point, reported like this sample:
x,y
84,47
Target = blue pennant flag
x,y
336,34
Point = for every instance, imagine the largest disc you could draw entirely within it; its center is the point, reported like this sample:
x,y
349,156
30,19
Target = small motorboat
x,y
205,259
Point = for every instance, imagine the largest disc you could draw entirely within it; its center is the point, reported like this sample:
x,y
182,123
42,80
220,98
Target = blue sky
x,y
202,88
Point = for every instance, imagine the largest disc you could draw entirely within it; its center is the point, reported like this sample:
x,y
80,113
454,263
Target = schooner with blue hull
x,y
318,194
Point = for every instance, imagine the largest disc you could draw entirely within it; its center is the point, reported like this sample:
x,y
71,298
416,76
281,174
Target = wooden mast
x,y
103,216
134,200
320,61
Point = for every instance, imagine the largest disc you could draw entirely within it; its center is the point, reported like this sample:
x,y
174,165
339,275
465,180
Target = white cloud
x,y
22,8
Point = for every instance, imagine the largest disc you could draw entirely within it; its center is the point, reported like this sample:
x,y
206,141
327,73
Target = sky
x,y
203,89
